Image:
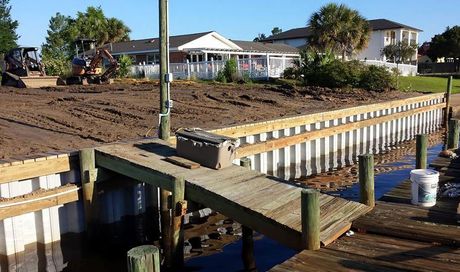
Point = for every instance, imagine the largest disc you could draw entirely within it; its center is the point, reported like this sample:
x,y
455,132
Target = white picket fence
x,y
404,69
254,68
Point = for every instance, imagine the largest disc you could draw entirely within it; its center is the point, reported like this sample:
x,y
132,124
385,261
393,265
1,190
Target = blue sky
x,y
235,19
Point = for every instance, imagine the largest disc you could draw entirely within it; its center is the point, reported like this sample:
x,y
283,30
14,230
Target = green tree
x,y
260,36
8,26
276,30
57,50
445,45
64,30
93,24
400,52
340,29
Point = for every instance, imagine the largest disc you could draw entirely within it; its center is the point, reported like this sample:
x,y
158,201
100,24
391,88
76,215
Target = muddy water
x,y
212,242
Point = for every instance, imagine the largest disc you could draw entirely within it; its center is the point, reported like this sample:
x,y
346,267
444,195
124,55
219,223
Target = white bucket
x,y
424,187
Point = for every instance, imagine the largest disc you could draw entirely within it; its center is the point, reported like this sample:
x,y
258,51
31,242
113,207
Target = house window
x,y
153,58
390,37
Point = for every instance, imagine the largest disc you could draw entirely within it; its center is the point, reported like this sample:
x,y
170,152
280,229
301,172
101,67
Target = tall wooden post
x,y
448,93
165,222
366,179
453,134
164,69
88,180
144,259
179,209
247,253
421,151
310,216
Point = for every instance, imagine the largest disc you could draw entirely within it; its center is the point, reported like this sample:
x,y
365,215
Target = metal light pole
x,y
165,76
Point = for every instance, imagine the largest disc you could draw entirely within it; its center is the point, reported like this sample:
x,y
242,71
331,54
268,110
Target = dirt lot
x,y
40,120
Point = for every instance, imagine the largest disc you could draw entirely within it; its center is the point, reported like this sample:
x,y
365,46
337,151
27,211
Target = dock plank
x,y
252,198
371,252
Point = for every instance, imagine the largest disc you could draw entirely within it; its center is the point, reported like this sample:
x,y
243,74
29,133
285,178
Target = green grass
x,y
427,84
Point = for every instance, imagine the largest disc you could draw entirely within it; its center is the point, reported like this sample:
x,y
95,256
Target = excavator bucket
x,y
29,82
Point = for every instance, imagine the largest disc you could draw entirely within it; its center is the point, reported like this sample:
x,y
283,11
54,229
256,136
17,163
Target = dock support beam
x,y
144,259
247,253
421,151
366,179
448,93
88,181
165,222
173,209
310,219
179,209
453,136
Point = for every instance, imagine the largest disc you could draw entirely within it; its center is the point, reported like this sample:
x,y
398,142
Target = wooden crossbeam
x,y
37,201
26,169
273,144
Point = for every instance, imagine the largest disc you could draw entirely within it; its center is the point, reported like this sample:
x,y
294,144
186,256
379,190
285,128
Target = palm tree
x,y
340,29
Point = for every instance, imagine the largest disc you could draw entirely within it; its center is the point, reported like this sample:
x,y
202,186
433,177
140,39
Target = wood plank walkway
x,y
395,235
266,204
373,252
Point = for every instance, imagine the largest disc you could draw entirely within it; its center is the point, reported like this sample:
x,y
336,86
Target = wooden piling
x,y
179,209
310,214
448,93
88,180
165,222
247,253
366,179
421,152
453,135
144,259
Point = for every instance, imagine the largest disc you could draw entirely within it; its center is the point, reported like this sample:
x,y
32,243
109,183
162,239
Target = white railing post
x,y
212,68
268,66
188,70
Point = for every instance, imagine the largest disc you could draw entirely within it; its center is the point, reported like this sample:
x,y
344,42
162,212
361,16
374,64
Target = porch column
x,y
206,70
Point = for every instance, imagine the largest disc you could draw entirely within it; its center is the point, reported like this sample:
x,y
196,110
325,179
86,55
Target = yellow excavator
x,y
86,66
21,68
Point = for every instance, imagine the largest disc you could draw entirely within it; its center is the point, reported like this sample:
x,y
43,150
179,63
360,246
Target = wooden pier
x,y
265,204
395,235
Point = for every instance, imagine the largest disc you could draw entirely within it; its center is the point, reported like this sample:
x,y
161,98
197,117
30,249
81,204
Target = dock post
x,y
310,219
144,259
421,151
88,180
247,253
366,179
446,112
179,209
165,222
453,136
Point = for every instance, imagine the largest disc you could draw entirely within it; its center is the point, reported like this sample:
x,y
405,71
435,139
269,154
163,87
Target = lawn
x,y
428,84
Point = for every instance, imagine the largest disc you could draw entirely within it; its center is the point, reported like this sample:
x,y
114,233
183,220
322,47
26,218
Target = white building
x,y
384,32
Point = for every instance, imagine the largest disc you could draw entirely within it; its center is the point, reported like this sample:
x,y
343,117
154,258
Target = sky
x,y
234,19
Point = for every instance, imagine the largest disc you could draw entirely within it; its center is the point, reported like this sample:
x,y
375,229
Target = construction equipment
x,y
86,64
21,68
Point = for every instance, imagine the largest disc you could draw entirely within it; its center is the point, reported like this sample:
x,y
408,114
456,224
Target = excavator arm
x,y
101,54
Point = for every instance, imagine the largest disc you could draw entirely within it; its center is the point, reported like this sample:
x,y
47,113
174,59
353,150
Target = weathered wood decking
x,y
266,204
395,236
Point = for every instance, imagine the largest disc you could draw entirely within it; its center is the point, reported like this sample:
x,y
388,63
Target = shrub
x,y
337,74
124,62
377,78
229,73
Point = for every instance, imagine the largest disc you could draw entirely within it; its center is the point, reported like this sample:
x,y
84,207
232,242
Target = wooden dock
x,y
395,235
265,204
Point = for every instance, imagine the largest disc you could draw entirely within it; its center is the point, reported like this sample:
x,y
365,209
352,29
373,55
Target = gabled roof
x,y
152,43
266,47
304,32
